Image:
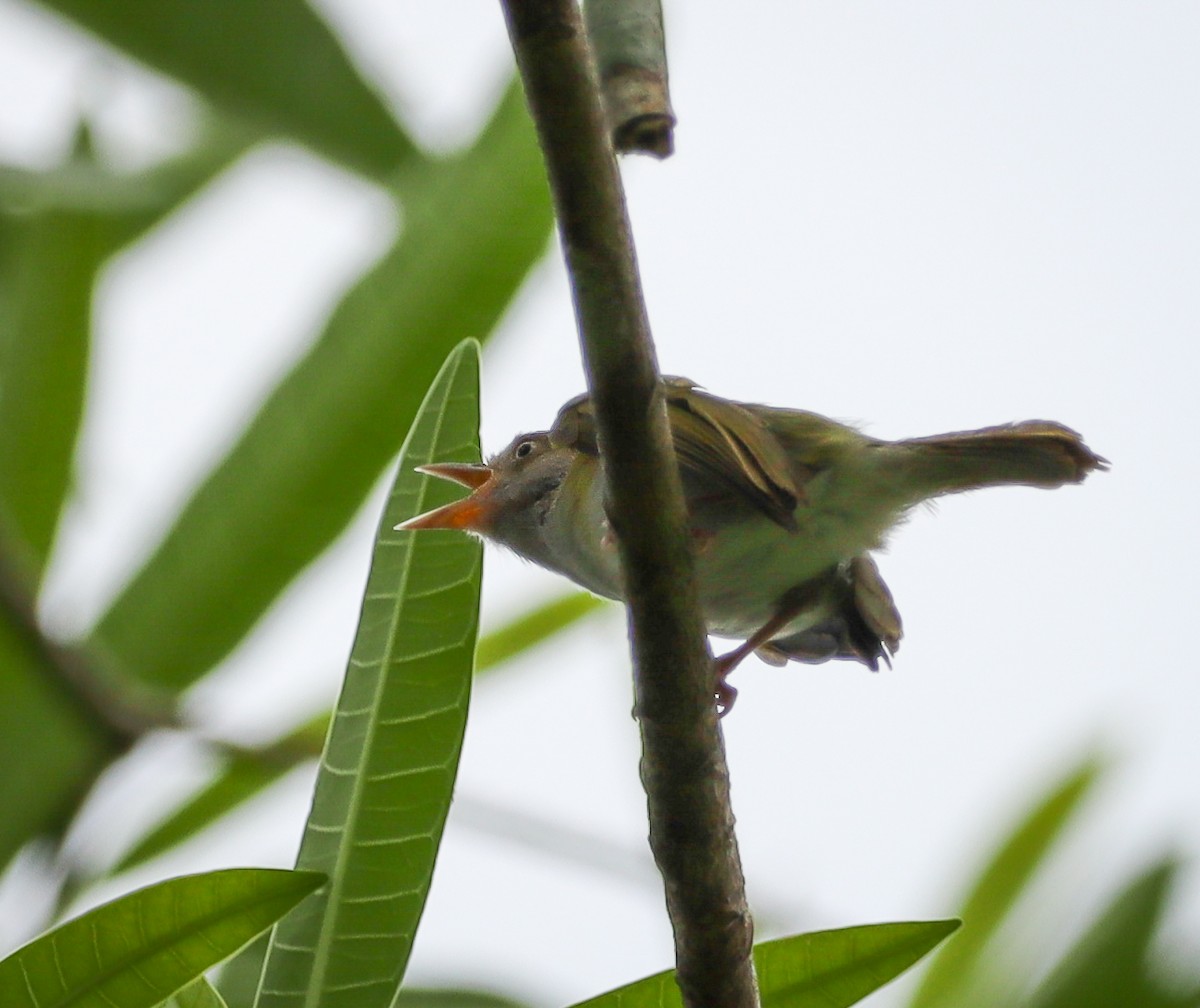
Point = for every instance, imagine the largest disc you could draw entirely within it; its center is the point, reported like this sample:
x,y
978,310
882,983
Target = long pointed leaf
x,y
130,201
48,263
828,969
391,757
1110,965
57,228
534,627
473,228
275,64
139,949
999,886
824,969
237,781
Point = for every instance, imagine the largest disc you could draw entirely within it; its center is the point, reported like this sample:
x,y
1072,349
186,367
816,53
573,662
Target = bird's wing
x,y
722,447
726,443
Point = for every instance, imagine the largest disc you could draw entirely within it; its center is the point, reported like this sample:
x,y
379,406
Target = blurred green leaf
x,y
50,749
198,994
954,969
1110,967
48,263
130,202
138,949
387,773
276,64
57,229
239,779
244,775
473,228
824,969
534,627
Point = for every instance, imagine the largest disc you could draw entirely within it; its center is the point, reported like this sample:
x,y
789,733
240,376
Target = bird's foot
x,y
725,696
792,603
723,666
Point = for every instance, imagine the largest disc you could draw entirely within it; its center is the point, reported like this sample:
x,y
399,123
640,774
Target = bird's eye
x,y
523,449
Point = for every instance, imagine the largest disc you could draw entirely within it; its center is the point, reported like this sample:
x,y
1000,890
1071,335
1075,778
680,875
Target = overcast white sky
x,y
920,217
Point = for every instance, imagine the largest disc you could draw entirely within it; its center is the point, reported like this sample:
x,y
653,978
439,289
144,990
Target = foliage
x,y
1115,961
824,969
143,947
390,359
474,225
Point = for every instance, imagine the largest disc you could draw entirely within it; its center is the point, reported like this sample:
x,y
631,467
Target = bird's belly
x,y
745,571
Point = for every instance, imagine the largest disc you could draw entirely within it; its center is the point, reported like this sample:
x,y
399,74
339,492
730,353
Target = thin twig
x,y
683,758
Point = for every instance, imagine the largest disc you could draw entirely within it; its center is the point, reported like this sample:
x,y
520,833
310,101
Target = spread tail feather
x,y
1038,453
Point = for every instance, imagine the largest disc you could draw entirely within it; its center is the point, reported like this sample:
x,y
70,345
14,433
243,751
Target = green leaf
x,y
473,227
239,781
57,228
240,778
48,263
139,949
131,202
244,775
198,994
1110,965
50,749
824,969
387,774
953,971
534,627
828,969
275,64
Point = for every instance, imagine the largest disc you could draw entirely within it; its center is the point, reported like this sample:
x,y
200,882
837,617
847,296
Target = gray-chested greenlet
x,y
783,505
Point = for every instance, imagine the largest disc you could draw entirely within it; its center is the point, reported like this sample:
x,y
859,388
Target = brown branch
x,y
683,758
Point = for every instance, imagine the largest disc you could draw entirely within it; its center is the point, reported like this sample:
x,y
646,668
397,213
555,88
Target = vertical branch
x,y
683,758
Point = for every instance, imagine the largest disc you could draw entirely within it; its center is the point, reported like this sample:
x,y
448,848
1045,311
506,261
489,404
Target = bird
x,y
784,510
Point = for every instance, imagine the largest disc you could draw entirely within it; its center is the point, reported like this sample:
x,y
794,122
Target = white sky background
x,y
921,217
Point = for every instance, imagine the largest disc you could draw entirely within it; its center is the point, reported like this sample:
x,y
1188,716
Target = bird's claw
x,y
725,696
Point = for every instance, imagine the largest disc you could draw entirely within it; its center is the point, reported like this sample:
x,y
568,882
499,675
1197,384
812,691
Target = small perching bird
x,y
784,507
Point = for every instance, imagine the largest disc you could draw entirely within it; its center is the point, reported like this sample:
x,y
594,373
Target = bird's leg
x,y
791,605
726,663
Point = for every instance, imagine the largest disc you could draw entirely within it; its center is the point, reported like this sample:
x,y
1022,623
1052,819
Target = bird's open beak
x,y
466,515
469,474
